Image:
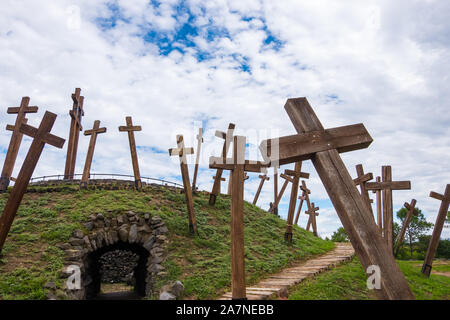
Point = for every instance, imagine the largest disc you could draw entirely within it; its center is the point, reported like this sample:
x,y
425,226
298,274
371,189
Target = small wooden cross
x,y
228,137
181,152
304,197
41,137
238,165
76,115
379,208
16,140
197,159
221,179
263,178
322,146
411,207
312,212
130,128
296,175
386,186
437,231
361,181
90,154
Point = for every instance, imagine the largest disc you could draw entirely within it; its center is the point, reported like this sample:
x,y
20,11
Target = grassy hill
x,y
32,257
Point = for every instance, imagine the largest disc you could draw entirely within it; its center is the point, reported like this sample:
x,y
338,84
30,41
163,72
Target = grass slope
x,y
31,256
348,282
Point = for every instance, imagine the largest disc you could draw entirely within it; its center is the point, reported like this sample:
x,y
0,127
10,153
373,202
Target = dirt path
x,y
276,285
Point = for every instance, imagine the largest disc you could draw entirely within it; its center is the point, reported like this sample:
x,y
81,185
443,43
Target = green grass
x,y
348,282
31,256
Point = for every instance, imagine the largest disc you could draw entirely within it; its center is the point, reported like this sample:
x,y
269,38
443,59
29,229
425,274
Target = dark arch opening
x,y
93,268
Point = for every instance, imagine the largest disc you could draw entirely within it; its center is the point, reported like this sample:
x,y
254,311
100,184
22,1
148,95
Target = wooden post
x,y
263,178
181,152
435,237
228,137
90,154
361,181
220,185
230,182
41,136
323,147
293,201
130,129
379,208
197,159
411,207
287,179
275,190
76,114
312,212
16,140
304,197
386,187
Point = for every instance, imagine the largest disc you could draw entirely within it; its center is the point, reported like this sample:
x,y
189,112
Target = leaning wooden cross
x,y
181,152
312,212
90,154
435,237
361,181
322,147
197,159
304,197
220,185
76,114
228,137
411,207
386,187
238,166
16,140
41,136
263,178
134,159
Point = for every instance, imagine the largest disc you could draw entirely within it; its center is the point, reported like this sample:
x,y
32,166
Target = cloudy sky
x,y
177,65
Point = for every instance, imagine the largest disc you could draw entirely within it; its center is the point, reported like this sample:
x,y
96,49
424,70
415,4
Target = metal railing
x,y
93,176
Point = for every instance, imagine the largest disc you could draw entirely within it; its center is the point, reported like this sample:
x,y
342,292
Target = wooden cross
x,y
411,207
197,159
230,182
90,154
386,187
238,166
323,147
16,140
41,136
76,114
304,197
379,208
181,152
263,178
361,181
131,129
228,137
312,218
221,179
296,174
434,241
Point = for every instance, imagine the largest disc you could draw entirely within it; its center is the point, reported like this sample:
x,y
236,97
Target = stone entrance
x,y
138,234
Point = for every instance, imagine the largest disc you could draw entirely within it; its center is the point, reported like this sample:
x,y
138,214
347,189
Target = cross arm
x,y
90,132
249,166
437,196
286,177
47,138
264,177
180,152
293,173
364,178
394,185
14,110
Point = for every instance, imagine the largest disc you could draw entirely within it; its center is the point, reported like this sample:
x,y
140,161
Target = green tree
x,y
418,226
339,235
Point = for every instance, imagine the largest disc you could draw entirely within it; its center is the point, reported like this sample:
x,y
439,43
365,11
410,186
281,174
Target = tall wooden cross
x,y
361,181
411,207
130,128
386,187
40,136
322,147
197,159
263,178
220,185
238,166
304,197
296,175
379,208
90,154
312,212
228,137
181,152
16,140
76,114
434,241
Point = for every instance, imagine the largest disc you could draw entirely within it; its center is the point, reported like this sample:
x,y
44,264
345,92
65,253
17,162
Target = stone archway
x,y
141,234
